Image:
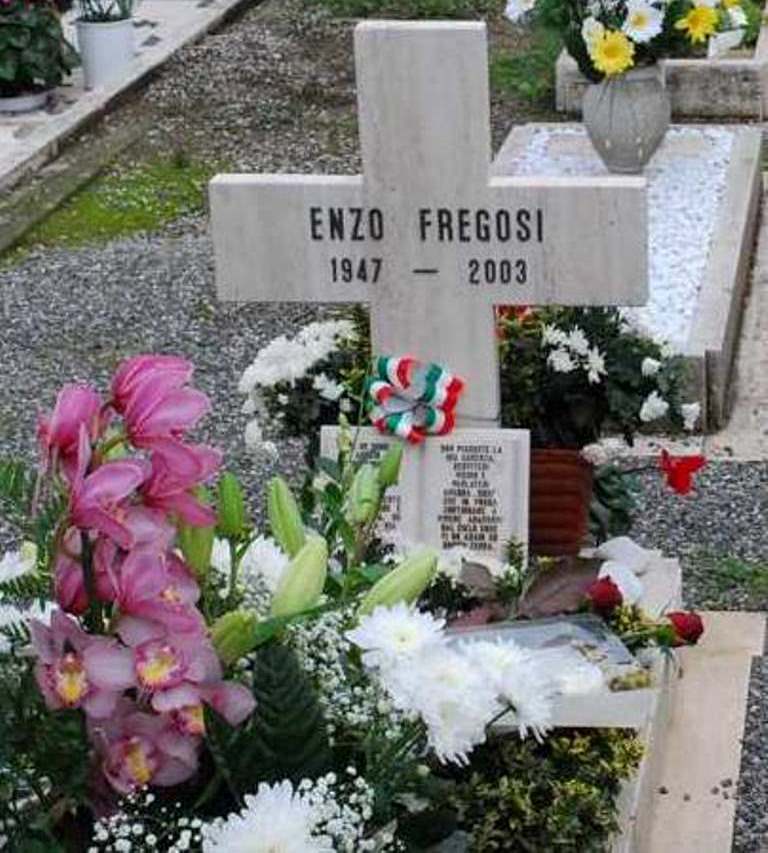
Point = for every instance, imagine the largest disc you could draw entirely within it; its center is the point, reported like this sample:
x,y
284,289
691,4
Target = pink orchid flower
x,y
176,469
179,674
139,749
96,499
156,595
76,670
171,370
157,406
68,578
59,432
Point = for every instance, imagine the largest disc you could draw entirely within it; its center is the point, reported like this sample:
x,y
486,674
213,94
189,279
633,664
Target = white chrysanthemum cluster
x,y
14,615
570,351
135,827
280,365
325,815
16,564
456,689
348,700
261,569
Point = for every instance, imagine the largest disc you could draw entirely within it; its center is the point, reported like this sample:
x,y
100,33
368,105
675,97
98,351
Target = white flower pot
x,y
106,49
25,103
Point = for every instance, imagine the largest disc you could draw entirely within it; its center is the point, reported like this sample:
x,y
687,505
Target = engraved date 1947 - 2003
x,y
479,271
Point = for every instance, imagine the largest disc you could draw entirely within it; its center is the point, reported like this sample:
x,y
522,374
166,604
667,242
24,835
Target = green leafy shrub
x,y
33,51
523,796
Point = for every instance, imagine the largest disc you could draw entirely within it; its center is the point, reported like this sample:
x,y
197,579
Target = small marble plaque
x,y
469,488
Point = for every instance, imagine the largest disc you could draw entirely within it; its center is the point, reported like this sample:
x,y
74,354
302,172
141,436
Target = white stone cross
x,y
425,235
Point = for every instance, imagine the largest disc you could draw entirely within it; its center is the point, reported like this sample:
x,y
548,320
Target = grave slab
x,y
468,488
704,192
733,86
703,746
161,27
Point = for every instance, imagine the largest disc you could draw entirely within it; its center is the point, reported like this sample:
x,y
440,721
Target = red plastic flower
x,y
679,470
688,626
605,596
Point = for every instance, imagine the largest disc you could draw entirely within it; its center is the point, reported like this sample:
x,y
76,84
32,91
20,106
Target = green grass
x,y
123,201
410,8
727,573
529,74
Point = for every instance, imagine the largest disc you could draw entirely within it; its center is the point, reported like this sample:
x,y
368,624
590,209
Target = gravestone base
x,y
704,198
733,86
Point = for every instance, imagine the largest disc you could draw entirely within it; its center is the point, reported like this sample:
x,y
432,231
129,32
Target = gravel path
x,y
275,92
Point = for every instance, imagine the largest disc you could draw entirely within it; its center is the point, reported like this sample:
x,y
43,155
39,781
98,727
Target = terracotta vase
x,y
561,491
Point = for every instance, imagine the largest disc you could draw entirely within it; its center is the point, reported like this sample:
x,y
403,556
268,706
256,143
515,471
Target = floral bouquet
x,y
608,38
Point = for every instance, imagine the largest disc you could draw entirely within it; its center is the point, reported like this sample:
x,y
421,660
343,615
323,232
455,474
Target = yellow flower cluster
x,y
699,23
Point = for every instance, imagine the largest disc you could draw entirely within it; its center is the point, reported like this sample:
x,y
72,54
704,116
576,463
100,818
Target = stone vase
x,y
561,492
626,118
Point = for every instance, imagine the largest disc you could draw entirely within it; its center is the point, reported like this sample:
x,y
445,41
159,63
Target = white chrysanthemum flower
x,y
595,365
327,388
654,407
515,9
577,341
521,678
630,586
393,635
643,22
264,561
17,563
560,361
650,366
691,413
551,336
451,695
275,820
591,31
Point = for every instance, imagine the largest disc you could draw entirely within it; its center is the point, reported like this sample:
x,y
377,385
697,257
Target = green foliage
x,y
36,745
529,74
754,13
733,573
105,11
33,50
566,409
124,201
525,797
286,737
410,8
613,502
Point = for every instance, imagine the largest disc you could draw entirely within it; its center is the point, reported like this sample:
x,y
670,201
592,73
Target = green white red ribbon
x,y
411,399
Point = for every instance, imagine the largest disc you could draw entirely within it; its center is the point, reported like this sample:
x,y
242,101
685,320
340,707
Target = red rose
x,y
688,626
605,596
679,470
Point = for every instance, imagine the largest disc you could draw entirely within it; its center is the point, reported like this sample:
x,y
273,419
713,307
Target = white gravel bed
x,y
686,181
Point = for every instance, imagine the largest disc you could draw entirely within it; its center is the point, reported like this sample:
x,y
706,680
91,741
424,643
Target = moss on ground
x,y
125,200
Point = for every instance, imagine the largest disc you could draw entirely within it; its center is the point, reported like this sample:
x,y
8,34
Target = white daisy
x,y
560,361
392,635
653,408
691,413
595,365
650,366
276,820
643,22
551,336
577,341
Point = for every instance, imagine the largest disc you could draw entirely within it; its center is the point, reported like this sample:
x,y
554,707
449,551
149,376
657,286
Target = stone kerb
x,y
735,86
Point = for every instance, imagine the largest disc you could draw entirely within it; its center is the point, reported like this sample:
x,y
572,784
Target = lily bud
x,y
389,466
232,635
196,543
231,506
284,517
364,495
344,440
405,583
303,580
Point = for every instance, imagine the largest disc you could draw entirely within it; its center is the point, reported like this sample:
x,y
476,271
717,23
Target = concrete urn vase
x,y
626,118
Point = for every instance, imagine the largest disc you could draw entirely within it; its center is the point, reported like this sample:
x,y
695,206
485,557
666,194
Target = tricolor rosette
x,y
412,399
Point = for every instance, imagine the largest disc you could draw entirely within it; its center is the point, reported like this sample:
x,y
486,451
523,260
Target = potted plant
x,y
105,39
34,55
617,46
570,376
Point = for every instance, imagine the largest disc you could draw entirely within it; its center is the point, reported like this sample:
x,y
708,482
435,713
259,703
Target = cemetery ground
x,y
126,265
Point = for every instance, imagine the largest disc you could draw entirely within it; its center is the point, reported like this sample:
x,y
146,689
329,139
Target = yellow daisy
x,y
612,53
699,23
